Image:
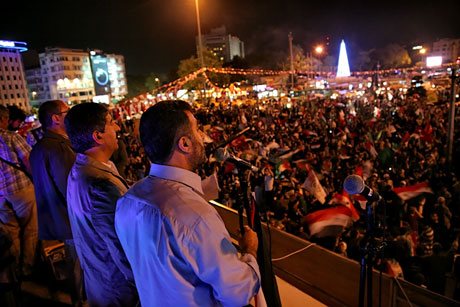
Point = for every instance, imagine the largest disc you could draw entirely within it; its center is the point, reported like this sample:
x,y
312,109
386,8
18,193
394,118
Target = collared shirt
x,y
177,244
51,160
92,192
13,148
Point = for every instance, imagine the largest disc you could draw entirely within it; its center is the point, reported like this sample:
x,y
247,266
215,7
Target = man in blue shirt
x,y
177,244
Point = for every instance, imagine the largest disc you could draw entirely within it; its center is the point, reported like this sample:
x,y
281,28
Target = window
x,y
11,59
3,86
19,95
6,68
17,87
8,78
10,87
14,77
6,96
12,96
12,68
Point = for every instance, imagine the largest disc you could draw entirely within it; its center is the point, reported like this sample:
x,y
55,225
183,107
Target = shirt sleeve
x,y
215,261
104,195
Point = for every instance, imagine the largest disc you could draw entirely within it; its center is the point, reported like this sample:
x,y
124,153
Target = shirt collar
x,y
177,174
87,160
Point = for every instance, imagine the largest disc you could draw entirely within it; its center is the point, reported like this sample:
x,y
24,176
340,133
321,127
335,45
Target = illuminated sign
x,y
417,47
433,61
100,74
21,46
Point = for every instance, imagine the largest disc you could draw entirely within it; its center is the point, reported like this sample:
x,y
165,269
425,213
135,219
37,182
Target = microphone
x,y
354,184
222,155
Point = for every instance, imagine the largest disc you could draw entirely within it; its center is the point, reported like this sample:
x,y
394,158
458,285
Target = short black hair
x,y
81,121
159,126
16,113
47,110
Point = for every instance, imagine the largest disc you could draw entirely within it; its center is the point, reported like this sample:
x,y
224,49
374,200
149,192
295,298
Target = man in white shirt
x,y
177,244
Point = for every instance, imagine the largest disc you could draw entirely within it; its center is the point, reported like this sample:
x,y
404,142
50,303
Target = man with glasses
x,y
51,160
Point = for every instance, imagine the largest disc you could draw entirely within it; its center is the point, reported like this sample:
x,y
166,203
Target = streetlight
x,y
200,42
158,81
319,49
422,52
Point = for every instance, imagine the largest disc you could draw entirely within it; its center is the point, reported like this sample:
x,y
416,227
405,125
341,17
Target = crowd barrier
x,y
329,277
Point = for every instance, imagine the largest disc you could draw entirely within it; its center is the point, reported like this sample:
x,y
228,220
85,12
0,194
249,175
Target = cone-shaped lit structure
x,y
343,69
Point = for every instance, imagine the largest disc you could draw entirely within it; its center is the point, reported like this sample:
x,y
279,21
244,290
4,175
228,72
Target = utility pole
x,y
292,60
200,43
450,136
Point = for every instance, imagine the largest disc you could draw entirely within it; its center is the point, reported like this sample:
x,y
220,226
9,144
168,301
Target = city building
x,y
117,74
224,46
447,48
35,86
76,76
66,75
13,89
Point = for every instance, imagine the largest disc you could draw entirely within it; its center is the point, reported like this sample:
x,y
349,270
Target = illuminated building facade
x,y
66,75
69,75
222,45
13,89
448,49
117,74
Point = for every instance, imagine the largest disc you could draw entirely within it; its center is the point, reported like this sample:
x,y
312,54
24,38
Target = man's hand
x,y
249,242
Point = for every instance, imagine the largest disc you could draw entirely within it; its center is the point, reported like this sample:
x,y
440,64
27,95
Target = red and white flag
x,y
329,221
314,187
344,200
412,191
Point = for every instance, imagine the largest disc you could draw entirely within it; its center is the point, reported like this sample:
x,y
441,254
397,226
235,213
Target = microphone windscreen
x,y
221,154
354,184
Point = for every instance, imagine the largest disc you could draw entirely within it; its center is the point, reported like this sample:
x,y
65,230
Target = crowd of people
x,y
392,144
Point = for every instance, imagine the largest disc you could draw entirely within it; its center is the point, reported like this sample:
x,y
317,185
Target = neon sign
x,y
21,46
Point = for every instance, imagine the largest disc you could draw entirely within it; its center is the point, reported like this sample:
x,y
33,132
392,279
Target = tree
x,y
393,56
136,85
193,63
152,82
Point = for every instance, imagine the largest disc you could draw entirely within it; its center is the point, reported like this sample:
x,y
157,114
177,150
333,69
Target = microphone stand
x,y
369,249
246,202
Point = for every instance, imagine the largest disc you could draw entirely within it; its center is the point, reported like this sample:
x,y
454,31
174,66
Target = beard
x,y
199,155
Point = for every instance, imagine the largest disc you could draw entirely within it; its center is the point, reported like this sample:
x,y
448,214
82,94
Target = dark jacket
x,y
51,160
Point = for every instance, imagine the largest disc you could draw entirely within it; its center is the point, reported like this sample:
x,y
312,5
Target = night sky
x,y
154,35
